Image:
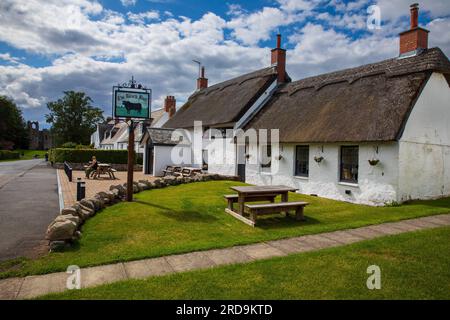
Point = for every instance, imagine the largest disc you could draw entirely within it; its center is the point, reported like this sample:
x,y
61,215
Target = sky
x,y
51,46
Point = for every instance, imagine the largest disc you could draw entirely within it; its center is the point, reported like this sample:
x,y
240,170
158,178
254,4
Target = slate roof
x,y
367,103
224,102
163,136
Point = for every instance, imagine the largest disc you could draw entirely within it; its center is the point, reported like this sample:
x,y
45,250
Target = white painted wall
x,y
424,148
221,157
377,185
161,159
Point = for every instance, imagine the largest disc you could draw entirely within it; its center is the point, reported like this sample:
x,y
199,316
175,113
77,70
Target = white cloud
x,y
142,17
92,48
254,27
319,50
7,57
127,3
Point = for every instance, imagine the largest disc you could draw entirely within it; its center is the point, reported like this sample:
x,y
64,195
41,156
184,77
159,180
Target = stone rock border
x,y
65,229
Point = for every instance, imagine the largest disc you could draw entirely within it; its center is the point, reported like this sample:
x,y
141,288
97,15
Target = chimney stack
x,y
416,38
202,82
278,59
170,105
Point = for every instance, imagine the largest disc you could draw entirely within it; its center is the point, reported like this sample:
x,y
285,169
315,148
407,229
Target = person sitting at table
x,y
91,167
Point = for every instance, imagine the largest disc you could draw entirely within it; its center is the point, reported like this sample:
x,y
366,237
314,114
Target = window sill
x,y
301,177
348,184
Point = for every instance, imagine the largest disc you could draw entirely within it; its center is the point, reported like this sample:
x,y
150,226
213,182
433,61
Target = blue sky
x,y
50,46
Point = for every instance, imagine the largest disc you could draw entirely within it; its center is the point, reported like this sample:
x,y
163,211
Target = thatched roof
x,y
224,102
368,103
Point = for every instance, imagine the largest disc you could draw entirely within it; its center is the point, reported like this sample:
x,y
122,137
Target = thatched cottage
x,y
375,134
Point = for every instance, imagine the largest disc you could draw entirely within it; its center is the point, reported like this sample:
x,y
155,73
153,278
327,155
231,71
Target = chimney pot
x,y
414,8
278,59
416,38
170,105
202,82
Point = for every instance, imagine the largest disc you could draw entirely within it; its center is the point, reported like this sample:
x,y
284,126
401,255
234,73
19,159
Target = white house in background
x,y
113,134
375,134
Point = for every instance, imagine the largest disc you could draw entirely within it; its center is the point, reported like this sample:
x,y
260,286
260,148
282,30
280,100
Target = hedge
x,y
60,155
6,154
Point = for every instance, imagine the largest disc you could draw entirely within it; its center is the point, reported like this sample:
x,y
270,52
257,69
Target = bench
x,y
233,198
171,171
270,208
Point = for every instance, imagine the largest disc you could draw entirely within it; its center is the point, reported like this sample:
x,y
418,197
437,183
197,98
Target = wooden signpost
x,y
132,102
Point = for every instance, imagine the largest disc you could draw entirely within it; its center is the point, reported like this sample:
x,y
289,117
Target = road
x,y
28,203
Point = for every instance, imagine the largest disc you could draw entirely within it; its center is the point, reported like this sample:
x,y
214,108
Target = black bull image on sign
x,y
132,106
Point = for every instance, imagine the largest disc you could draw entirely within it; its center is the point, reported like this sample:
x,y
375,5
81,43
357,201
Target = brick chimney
x,y
170,105
416,38
278,59
202,82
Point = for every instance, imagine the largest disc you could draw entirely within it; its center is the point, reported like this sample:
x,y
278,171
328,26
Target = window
x,y
266,156
302,161
349,164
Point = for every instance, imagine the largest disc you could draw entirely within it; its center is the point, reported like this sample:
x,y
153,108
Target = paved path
x,y
33,286
93,186
29,202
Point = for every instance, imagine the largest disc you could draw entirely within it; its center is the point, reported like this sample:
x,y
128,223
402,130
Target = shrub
x,y
6,154
60,155
139,158
69,145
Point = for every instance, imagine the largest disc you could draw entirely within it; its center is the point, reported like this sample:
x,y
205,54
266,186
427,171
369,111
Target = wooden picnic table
x,y
245,192
103,168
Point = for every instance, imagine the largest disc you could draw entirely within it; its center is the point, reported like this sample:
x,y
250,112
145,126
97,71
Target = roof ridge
x,y
236,80
431,59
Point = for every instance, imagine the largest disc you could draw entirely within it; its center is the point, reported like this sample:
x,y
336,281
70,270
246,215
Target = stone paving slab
x,y
39,285
292,245
95,276
9,288
405,227
190,261
228,256
343,237
261,251
141,269
319,241
33,286
387,230
422,223
366,233
439,220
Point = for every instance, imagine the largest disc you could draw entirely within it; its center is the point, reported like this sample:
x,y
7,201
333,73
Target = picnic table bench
x,y
262,193
270,208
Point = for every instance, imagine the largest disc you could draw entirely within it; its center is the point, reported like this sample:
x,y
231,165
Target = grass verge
x,y
413,266
191,217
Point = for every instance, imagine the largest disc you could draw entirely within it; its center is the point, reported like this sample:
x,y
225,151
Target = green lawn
x,y
28,155
413,266
191,217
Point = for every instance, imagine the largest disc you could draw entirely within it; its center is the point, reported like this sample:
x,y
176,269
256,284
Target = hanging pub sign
x,y
131,101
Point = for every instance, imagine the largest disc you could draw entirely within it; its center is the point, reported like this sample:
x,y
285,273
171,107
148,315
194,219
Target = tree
x,y
73,118
13,129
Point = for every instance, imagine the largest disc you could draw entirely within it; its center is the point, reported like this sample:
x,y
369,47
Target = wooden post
x,y
130,161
